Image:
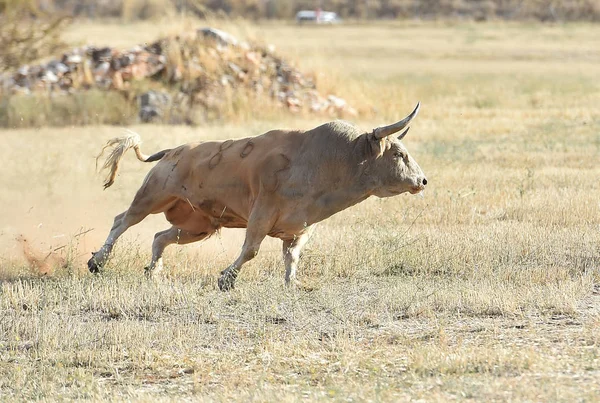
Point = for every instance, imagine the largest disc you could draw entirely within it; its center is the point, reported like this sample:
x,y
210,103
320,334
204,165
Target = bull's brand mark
x,y
276,164
225,145
247,149
214,161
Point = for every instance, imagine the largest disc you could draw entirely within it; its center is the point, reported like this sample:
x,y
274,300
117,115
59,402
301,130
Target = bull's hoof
x,y
226,281
151,274
93,266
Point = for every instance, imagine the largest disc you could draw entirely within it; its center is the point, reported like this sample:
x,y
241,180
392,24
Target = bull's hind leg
x,y
143,204
165,238
99,258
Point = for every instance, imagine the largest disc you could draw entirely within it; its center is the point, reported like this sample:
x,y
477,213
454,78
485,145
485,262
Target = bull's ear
x,y
376,147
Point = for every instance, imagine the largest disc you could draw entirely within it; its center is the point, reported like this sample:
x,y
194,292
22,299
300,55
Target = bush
x,y
27,33
81,108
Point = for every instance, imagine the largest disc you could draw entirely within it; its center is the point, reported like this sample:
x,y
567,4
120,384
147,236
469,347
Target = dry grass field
x,y
487,288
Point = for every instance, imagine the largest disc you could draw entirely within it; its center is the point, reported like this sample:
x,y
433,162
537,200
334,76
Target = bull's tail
x,y
120,145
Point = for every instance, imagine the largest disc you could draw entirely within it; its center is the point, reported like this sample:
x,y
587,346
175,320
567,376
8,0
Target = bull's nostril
x,y
424,181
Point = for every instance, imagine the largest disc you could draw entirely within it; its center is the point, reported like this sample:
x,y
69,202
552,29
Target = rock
x,y
149,114
153,104
221,37
237,70
102,54
50,77
154,98
74,59
23,71
193,67
101,70
57,67
119,62
336,102
254,58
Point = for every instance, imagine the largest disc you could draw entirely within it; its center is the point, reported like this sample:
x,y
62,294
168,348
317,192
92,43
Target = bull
x,y
280,184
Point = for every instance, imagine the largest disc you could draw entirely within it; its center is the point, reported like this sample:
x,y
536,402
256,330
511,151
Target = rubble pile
x,y
191,71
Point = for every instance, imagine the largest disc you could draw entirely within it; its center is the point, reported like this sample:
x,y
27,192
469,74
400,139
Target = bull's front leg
x,y
259,225
249,251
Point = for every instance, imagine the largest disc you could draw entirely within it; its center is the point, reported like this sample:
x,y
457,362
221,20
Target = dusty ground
x,y
487,288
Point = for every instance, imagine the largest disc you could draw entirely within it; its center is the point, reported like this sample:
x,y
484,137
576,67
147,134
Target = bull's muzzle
x,y
421,183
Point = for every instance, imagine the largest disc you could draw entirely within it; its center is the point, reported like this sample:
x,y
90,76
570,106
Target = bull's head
x,y
391,166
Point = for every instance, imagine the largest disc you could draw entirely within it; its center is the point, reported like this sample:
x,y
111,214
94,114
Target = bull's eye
x,y
399,155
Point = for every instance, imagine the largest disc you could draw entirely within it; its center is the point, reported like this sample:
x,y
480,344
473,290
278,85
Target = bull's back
x,y
230,174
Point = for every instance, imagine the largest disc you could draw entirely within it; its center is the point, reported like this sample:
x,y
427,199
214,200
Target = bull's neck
x,y
353,186
359,181
338,198
366,182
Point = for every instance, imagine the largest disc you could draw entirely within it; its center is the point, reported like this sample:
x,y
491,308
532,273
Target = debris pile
x,y
191,71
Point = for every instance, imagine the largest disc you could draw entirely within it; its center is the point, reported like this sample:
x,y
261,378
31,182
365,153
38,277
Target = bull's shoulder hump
x,y
279,134
339,127
342,125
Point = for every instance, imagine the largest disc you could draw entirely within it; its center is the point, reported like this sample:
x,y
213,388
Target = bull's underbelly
x,y
210,216
207,216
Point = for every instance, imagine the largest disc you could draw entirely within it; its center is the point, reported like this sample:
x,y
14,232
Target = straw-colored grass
x,y
487,288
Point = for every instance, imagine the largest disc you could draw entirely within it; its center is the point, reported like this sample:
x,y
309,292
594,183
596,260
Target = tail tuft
x,y
120,145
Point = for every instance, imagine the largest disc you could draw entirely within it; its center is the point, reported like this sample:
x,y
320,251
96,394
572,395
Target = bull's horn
x,y
401,136
385,131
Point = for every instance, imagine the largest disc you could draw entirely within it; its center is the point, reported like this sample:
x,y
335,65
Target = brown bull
x,y
279,184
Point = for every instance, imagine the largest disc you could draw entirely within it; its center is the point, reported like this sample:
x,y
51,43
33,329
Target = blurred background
x,y
543,10
152,53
